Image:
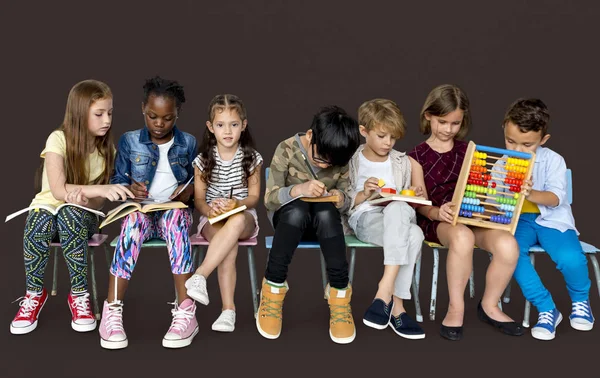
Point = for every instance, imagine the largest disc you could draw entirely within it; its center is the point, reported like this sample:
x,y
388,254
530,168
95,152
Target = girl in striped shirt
x,y
227,176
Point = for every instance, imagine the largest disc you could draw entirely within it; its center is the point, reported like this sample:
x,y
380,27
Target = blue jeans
x,y
564,249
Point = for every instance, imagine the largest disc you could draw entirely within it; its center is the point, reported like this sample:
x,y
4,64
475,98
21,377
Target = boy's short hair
x,y
529,114
382,113
335,135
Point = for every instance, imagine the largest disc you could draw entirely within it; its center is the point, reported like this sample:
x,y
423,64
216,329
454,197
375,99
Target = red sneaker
x,y
83,319
27,317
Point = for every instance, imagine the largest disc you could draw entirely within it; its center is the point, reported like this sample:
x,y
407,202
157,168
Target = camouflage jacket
x,y
288,169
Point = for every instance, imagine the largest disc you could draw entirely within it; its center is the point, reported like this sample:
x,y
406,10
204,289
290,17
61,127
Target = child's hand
x,y
116,192
139,190
183,196
446,213
76,196
221,205
418,191
313,188
526,188
340,201
371,185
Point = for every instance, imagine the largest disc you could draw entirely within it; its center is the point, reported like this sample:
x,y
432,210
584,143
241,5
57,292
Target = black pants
x,y
301,220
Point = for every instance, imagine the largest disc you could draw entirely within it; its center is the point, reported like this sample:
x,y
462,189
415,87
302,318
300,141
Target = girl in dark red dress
x,y
445,117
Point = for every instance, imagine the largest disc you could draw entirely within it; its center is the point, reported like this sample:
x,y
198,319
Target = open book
x,y
383,198
53,210
325,198
220,217
146,206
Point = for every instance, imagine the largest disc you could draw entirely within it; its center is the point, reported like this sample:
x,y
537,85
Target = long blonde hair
x,y
75,127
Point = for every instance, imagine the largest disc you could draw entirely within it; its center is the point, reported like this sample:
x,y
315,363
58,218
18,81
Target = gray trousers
x,y
394,228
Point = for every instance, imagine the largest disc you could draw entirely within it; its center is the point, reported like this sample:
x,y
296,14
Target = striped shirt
x,y
227,174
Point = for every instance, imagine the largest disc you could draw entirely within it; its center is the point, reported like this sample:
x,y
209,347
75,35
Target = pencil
x,y
131,178
231,193
309,167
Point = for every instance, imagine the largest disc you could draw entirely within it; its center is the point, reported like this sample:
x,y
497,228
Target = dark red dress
x,y
441,174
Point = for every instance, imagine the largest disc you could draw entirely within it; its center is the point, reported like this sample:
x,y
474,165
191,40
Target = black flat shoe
x,y
451,333
509,328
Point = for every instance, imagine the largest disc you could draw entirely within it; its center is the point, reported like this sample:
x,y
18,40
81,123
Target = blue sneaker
x,y
378,314
545,329
404,326
581,316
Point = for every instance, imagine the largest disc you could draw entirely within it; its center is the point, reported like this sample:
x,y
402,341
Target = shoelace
x,y
269,309
198,283
227,316
28,305
340,313
114,318
181,317
546,317
581,309
81,304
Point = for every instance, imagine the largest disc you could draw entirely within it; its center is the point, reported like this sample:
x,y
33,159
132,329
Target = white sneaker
x,y
225,322
196,289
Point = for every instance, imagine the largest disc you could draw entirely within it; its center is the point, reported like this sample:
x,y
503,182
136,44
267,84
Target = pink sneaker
x,y
183,327
112,334
27,317
82,318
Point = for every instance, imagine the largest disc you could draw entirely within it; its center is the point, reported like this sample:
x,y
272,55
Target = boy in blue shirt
x,y
546,219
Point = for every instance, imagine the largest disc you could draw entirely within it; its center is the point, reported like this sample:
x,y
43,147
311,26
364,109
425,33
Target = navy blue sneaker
x,y
545,329
404,326
378,314
581,316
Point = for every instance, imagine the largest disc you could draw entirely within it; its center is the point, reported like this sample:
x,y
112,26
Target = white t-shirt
x,y
164,182
227,174
366,169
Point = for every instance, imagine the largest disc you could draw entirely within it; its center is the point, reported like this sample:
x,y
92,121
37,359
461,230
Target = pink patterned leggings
x,y
170,225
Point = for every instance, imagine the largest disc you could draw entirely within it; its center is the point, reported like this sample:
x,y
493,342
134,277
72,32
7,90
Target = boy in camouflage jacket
x,y
311,164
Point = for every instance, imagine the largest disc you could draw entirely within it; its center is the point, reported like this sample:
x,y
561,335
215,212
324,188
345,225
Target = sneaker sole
x,y
180,343
192,294
407,336
582,326
374,325
106,344
29,328
84,327
344,340
223,328
545,336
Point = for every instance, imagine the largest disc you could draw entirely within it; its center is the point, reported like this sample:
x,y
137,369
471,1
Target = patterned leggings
x,y
75,227
171,225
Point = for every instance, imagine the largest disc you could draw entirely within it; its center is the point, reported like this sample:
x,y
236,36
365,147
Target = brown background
x,y
284,59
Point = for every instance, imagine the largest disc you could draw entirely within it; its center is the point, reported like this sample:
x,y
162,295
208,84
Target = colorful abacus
x,y
487,192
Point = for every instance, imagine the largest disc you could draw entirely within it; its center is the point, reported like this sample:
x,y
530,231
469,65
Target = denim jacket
x,y
138,156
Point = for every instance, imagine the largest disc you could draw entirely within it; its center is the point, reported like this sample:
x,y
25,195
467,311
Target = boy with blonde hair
x,y
393,226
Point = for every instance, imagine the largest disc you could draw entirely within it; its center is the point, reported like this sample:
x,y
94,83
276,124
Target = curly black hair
x,y
529,114
157,86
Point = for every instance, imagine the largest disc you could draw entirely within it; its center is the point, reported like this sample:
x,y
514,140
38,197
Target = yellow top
x,y
56,143
529,207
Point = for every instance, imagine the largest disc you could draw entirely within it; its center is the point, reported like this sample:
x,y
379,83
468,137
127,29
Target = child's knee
x,y
327,217
400,208
461,237
572,262
506,248
296,217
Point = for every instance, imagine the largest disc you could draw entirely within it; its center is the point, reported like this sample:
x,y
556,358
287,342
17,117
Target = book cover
x,y
383,198
227,214
53,210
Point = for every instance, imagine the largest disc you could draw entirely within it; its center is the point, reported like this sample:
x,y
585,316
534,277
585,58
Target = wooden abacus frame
x,y
461,185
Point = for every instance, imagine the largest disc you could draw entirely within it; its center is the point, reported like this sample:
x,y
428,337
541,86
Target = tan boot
x,y
269,317
341,323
